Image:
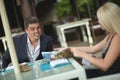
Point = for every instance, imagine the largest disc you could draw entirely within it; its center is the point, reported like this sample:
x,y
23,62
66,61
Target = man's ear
x,y
26,30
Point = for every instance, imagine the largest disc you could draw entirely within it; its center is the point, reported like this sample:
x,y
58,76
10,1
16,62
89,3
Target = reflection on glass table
x,y
64,72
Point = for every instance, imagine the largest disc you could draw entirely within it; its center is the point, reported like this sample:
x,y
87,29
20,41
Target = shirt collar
x,y
28,41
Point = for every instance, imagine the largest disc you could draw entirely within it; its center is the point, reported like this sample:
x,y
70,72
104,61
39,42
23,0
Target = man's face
x,y
33,31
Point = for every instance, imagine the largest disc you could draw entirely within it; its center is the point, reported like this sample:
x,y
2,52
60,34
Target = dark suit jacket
x,y
20,42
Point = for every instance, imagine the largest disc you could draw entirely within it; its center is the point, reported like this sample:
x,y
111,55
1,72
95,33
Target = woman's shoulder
x,y
112,36
115,38
118,35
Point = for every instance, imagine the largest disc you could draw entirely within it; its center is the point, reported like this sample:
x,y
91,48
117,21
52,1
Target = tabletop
x,y
64,72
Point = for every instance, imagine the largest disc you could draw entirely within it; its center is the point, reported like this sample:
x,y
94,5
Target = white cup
x,y
46,55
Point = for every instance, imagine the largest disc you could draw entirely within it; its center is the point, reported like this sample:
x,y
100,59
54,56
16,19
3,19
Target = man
x,y
30,44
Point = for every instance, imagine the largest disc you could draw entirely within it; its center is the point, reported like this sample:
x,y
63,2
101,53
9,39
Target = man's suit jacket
x,y
20,42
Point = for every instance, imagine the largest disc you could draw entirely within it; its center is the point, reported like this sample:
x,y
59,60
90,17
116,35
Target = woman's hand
x,y
77,52
80,54
74,49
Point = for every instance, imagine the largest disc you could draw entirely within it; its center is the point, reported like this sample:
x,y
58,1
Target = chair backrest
x,y
4,39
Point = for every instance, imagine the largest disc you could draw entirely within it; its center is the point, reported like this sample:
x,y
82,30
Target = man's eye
x,y
38,27
32,29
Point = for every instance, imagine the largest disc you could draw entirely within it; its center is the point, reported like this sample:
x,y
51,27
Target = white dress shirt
x,y
33,52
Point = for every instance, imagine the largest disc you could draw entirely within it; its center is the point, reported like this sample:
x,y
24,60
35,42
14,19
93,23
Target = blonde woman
x,y
109,20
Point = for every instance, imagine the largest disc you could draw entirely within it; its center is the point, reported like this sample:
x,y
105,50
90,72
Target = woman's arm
x,y
111,56
91,49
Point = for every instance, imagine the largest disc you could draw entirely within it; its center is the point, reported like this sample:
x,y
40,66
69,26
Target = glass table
x,y
65,72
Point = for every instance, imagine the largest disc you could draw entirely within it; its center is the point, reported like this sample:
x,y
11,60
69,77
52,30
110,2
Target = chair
x,y
108,77
4,39
72,34
97,32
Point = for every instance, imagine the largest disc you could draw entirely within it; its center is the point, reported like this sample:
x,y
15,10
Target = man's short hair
x,y
30,20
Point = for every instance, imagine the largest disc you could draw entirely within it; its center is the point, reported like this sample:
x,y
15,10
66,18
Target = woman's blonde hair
x,y
109,16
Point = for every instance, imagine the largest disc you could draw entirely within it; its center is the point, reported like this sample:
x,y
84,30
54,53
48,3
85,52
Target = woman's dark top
x,y
115,68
